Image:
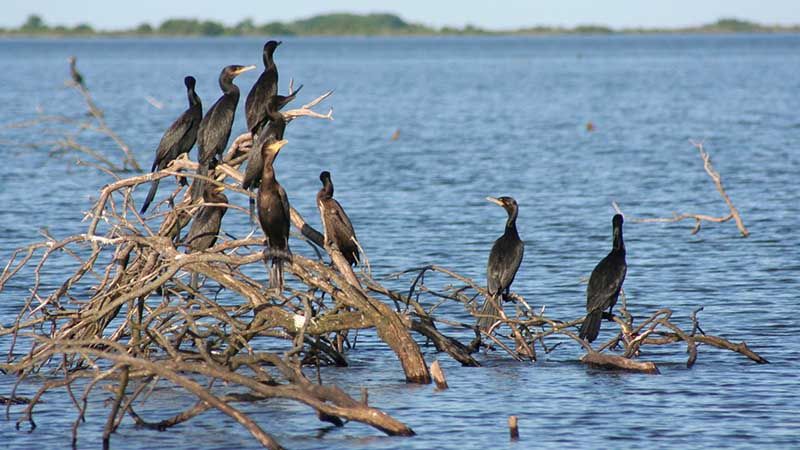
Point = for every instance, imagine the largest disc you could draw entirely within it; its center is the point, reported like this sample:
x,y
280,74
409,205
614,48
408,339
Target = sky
x,y
116,14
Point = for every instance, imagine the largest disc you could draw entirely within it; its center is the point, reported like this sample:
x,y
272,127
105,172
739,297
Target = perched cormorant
x,y
605,284
206,224
215,128
504,261
335,223
273,213
265,92
77,78
178,139
255,105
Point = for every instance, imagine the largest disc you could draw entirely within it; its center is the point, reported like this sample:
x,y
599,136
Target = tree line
x,y
338,24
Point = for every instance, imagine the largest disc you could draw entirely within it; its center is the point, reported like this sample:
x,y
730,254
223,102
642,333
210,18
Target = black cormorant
x,y
255,105
178,139
605,284
335,223
206,224
273,213
215,128
77,78
504,261
265,92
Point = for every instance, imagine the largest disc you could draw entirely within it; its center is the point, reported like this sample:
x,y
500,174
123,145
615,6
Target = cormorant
x,y
215,128
265,93
77,78
605,284
255,105
178,139
273,213
335,223
504,261
206,224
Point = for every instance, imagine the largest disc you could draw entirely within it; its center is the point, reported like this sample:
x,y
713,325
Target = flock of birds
x,y
212,131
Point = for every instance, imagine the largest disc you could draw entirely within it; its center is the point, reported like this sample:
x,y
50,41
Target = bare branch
x,y
700,218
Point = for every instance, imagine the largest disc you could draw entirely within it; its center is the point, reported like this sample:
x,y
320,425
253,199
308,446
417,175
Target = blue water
x,y
478,117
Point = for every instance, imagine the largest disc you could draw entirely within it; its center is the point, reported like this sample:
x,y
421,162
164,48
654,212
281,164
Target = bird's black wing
x,y
169,145
339,221
186,144
338,226
205,228
255,105
215,129
286,209
275,223
605,282
516,251
504,261
494,270
255,165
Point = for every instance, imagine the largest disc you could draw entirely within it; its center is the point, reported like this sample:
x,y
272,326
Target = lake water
x,y
478,117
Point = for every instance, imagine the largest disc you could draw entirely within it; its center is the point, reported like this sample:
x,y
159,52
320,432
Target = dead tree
x,y
142,322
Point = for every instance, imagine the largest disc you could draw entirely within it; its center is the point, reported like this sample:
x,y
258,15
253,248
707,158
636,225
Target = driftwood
x,y
128,319
700,218
615,362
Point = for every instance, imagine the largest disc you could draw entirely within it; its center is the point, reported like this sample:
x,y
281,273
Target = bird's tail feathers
x,y
490,312
590,327
252,203
276,274
151,194
249,173
198,186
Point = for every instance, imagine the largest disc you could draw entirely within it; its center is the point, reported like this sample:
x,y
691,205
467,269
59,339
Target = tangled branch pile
x,y
128,316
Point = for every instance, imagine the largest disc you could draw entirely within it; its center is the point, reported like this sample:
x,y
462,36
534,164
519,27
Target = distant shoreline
x,y
354,25
120,36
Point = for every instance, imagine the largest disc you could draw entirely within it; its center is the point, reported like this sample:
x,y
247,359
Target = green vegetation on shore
x,y
342,24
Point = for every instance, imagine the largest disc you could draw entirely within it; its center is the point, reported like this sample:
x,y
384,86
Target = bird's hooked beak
x,y
496,201
275,147
244,69
278,43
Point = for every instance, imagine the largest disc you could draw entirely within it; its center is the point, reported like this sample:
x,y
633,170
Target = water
x,y
478,117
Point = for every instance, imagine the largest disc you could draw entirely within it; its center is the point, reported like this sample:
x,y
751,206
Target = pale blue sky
x,y
111,14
